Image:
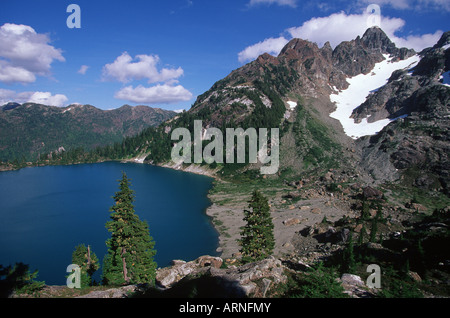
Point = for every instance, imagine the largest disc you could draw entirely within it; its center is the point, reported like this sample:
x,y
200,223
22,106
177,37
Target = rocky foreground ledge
x,y
260,279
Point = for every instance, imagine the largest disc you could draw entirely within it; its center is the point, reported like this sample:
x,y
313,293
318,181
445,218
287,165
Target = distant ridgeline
x,y
29,132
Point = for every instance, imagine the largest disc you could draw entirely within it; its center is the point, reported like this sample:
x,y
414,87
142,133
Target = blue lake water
x,y
46,211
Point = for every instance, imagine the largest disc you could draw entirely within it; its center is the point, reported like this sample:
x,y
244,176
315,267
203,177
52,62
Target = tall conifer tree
x,y
257,239
88,262
130,257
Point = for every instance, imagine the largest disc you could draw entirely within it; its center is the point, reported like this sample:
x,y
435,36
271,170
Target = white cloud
x,y
335,28
271,46
418,43
125,69
290,3
159,94
15,74
25,54
45,98
83,69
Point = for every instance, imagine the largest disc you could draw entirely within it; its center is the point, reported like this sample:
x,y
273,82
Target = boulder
x,y
242,281
328,176
416,207
354,286
344,234
372,193
292,195
209,261
353,280
168,276
308,231
291,221
358,228
416,277
316,211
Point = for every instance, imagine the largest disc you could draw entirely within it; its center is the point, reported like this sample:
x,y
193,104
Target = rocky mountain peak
x,y
299,49
327,51
375,39
267,58
444,40
9,106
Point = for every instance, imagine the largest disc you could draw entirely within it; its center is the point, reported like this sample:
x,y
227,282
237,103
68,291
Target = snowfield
x,y
292,104
360,87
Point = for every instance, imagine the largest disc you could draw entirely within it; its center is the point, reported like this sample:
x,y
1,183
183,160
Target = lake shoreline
x,y
220,220
227,246
195,235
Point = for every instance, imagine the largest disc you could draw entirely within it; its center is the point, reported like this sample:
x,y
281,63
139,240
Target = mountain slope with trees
x,y
30,130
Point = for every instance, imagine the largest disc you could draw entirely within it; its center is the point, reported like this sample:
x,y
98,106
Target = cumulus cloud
x,y
145,67
44,98
15,74
335,29
159,94
290,3
271,46
83,69
417,42
125,69
25,54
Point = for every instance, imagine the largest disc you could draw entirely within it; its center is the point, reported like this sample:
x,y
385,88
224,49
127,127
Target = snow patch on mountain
x,y
360,87
292,104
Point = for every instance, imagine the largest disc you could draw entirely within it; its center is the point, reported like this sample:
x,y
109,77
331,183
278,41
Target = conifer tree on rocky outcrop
x,y
348,264
257,238
130,256
88,262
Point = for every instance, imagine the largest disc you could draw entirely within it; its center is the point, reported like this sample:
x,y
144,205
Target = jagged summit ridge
x,y
301,68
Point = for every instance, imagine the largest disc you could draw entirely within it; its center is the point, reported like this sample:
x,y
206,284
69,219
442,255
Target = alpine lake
x,y
45,212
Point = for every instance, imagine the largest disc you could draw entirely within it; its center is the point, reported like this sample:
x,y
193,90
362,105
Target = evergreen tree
x,y
257,238
19,279
379,215
348,257
365,214
362,234
130,255
88,262
373,230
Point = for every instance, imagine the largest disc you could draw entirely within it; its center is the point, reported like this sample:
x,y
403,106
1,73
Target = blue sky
x,y
166,53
